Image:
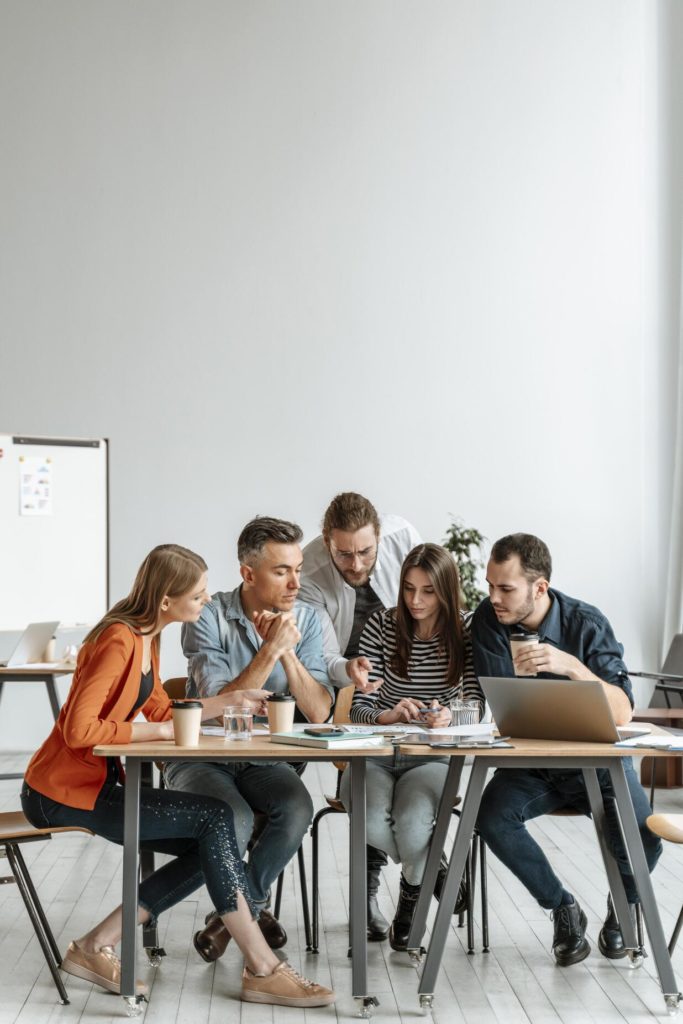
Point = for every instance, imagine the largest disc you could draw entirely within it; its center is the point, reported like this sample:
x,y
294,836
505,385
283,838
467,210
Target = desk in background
x,y
259,748
588,757
28,674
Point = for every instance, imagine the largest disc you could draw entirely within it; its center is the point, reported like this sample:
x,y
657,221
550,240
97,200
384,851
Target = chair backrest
x,y
175,687
342,716
673,663
342,707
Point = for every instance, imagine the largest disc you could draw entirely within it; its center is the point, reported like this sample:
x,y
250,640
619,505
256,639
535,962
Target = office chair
x,y
668,683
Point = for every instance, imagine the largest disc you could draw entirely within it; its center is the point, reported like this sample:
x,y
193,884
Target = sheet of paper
x,y
655,741
35,486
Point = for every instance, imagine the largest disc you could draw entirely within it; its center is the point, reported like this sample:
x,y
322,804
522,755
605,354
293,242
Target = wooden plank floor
x,y
78,880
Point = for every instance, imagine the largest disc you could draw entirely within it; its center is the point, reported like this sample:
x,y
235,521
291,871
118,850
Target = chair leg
x,y
652,783
676,932
314,876
37,915
469,879
303,885
484,896
278,894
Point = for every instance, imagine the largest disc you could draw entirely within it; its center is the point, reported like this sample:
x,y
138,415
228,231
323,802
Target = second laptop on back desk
x,y
31,645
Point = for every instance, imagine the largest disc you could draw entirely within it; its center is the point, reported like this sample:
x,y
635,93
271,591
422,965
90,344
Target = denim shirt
x,y
570,625
224,642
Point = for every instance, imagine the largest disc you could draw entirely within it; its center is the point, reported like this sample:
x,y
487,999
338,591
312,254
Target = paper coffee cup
x,y
518,641
281,712
187,719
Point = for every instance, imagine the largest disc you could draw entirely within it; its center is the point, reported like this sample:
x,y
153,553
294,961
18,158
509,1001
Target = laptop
x,y
551,709
31,645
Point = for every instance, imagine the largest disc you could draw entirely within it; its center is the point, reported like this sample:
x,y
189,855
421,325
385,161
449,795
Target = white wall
x,y
274,251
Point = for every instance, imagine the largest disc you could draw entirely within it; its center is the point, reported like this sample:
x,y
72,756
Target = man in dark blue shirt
x,y
575,642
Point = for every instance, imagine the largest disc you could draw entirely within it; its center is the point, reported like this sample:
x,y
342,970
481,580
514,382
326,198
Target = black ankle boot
x,y
570,945
378,926
400,926
610,939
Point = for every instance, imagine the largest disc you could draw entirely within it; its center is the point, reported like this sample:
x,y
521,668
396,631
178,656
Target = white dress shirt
x,y
326,590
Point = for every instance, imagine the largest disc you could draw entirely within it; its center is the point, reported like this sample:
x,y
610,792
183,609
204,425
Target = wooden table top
x,y
260,747
59,668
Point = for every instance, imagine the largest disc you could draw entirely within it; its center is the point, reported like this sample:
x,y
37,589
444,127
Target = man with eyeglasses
x,y
350,572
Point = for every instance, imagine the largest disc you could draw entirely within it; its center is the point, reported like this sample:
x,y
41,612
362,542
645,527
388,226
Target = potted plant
x,y
465,543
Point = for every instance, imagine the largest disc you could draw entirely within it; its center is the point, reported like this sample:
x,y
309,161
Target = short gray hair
x,y
259,531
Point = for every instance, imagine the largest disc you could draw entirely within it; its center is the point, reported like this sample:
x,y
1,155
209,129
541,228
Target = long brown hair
x,y
168,571
443,573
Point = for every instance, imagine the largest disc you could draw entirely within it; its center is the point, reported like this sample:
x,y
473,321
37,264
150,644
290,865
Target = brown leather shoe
x,y
212,941
272,930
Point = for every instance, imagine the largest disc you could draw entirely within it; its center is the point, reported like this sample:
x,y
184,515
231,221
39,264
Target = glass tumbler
x,y
237,723
465,712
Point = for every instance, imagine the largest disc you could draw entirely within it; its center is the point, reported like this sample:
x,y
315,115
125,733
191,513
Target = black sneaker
x,y
610,939
570,945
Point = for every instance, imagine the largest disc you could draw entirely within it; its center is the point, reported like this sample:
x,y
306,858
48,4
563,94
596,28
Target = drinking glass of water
x,y
237,723
465,712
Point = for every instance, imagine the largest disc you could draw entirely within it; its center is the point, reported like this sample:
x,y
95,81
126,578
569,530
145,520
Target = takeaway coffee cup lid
x,y
278,697
524,636
186,704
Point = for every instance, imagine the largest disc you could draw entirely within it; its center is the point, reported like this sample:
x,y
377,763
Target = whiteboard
x,y
54,559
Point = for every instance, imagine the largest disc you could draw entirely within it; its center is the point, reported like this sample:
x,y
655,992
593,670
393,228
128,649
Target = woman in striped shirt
x,y
421,658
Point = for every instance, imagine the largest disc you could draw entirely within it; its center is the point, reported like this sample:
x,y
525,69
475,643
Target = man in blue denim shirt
x,y
257,637
575,642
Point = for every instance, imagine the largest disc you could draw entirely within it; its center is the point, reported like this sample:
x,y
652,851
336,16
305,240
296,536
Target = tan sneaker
x,y
102,968
284,987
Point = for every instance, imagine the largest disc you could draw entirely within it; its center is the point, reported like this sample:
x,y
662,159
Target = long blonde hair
x,y
168,571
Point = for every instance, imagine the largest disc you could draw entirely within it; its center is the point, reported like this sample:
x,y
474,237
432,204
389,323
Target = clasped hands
x,y
277,629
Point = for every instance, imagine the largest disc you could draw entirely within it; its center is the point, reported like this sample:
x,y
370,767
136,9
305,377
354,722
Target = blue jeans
x,y
270,788
515,795
403,794
198,833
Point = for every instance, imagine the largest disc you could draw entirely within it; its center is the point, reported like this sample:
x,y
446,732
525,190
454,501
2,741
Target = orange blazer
x,y
98,709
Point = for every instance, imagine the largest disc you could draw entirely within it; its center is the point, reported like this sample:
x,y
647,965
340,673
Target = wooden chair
x,y
14,831
670,828
342,716
176,688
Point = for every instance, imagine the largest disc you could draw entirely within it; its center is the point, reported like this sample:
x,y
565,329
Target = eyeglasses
x,y
348,557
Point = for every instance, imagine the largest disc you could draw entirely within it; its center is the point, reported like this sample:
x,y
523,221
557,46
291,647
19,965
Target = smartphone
x,y
323,730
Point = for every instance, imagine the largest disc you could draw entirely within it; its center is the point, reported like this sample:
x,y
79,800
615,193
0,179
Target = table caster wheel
x,y
366,1006
426,1001
154,955
635,959
134,1005
672,1002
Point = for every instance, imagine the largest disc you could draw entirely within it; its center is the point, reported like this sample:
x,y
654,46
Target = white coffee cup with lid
x,y
518,641
187,720
280,712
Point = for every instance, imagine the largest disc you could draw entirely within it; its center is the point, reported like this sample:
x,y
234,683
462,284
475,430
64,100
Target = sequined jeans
x,y
196,831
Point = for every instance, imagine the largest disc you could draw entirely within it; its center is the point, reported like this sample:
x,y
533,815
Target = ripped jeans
x,y
197,831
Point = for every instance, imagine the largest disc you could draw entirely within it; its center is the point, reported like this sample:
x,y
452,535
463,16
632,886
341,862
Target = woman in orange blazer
x,y
117,675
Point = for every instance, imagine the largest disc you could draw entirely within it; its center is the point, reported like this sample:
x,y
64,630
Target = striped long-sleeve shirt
x,y
427,671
